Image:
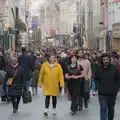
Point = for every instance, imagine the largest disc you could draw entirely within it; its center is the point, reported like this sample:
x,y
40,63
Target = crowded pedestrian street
x,y
34,110
59,59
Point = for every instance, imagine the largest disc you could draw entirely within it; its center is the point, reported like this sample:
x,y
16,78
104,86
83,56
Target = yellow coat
x,y
50,77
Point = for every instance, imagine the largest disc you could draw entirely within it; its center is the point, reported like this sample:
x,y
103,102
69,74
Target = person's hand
x,y
75,77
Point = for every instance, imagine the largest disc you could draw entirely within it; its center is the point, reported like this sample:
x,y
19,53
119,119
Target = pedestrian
x,y
94,67
14,81
2,67
35,75
85,89
26,63
74,75
3,95
50,76
108,81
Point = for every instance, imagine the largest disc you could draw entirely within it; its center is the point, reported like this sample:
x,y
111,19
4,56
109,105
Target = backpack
x,y
37,64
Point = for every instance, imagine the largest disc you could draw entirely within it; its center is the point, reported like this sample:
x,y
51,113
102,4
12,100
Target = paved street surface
x,y
34,111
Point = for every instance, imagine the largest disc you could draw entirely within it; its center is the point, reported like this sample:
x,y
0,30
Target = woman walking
x,y
14,81
74,76
50,76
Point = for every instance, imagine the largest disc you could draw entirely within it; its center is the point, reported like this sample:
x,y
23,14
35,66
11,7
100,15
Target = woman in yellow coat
x,y
50,76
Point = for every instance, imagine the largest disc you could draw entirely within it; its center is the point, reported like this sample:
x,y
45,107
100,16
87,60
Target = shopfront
x,y
116,37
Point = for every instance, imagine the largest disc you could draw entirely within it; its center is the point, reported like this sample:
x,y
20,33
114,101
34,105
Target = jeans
x,y
34,90
93,86
47,101
107,105
15,101
27,84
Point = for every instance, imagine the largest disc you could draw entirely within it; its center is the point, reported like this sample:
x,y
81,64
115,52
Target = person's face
x,y
86,57
94,56
14,61
80,54
73,59
90,57
52,59
99,55
106,61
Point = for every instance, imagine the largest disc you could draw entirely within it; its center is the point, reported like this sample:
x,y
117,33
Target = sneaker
x,y
80,108
72,112
14,111
86,106
46,112
54,112
3,102
17,107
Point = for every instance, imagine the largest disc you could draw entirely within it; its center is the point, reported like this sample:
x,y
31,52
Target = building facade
x,y
104,41
114,22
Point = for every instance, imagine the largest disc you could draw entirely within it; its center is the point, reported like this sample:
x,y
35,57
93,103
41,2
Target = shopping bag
x,y
27,97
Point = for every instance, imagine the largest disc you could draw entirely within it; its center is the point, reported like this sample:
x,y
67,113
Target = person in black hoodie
x,y
108,81
25,62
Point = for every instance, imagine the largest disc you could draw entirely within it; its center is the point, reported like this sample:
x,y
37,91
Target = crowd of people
x,y
79,72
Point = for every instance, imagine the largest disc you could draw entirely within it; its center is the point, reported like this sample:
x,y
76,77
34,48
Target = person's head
x,y
94,56
73,59
86,56
14,61
80,54
90,57
105,60
52,58
23,50
37,53
99,54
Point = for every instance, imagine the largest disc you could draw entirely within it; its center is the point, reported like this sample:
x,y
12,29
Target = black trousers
x,y
15,101
47,101
84,96
84,99
74,90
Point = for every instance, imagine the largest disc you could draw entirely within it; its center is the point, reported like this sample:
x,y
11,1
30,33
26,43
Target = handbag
x,y
10,80
27,97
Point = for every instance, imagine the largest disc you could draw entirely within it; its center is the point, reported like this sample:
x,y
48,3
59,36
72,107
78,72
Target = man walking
x,y
26,63
108,81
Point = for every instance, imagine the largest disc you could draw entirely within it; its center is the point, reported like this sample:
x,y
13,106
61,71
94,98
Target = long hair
x,y
71,58
103,56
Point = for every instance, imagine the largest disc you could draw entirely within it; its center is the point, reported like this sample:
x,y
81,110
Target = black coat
x,y
26,63
108,80
2,63
18,82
